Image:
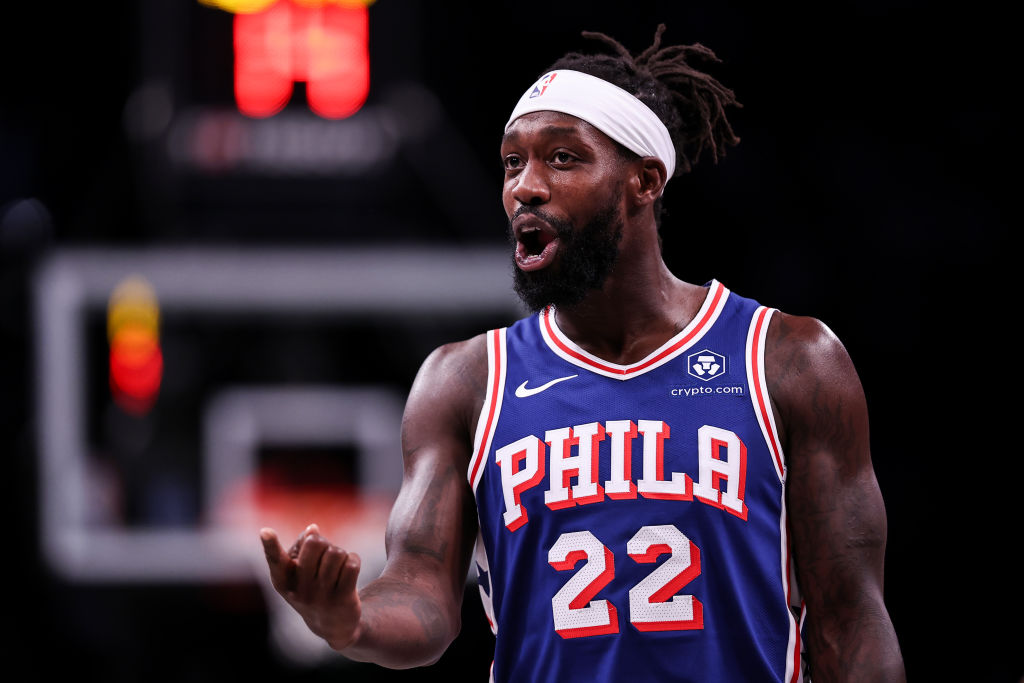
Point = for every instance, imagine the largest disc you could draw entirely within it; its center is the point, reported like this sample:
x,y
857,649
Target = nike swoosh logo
x,y
523,392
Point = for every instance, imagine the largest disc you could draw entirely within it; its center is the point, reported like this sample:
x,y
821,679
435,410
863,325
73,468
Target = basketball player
x,y
661,481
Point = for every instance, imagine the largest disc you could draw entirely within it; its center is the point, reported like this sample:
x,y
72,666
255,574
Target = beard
x,y
585,260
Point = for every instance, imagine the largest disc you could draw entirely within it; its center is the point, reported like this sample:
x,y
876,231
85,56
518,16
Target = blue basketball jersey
x,y
632,517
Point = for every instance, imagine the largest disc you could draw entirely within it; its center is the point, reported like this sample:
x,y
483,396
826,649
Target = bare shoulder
x,y
455,371
808,369
467,357
448,392
800,344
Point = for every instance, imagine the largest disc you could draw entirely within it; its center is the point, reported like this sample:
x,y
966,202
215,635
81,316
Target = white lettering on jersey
x,y
721,468
713,468
522,467
583,466
653,484
653,603
575,612
621,433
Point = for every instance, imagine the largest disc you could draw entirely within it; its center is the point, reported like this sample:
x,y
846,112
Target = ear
x,y
647,183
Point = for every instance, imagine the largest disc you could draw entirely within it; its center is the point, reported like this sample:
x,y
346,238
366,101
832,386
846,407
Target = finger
x,y
308,561
297,546
330,566
349,574
281,566
272,547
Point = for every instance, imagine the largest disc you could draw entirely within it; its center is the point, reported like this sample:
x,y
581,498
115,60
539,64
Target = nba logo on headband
x,y
543,84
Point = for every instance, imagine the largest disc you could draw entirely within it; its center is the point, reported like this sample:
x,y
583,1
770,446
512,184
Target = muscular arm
x,y
836,513
410,614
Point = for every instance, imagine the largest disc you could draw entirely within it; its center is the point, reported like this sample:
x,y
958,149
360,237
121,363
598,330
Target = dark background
x,y
870,190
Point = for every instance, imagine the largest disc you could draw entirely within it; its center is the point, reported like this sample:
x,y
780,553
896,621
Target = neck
x,y
641,306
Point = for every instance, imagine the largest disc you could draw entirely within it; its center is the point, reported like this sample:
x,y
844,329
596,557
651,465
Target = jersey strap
x,y
759,386
756,379
497,362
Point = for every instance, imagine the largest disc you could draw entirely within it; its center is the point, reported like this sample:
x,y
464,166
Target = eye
x,y
512,162
562,157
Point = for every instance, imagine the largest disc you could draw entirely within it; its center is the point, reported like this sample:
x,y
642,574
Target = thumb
x,y
281,572
276,555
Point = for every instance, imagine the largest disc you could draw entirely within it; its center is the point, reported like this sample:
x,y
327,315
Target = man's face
x,y
586,256
563,195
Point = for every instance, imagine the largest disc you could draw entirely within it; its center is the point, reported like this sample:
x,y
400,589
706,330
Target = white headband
x,y
607,107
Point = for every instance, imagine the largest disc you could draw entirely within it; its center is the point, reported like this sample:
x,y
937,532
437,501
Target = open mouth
x,y
535,249
533,242
536,241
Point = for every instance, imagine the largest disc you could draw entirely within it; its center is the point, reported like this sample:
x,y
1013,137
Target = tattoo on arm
x,y
390,595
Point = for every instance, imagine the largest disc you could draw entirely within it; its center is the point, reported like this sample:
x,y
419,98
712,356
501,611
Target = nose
x,y
530,186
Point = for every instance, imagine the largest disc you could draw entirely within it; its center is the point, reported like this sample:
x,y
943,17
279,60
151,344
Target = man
x,y
669,481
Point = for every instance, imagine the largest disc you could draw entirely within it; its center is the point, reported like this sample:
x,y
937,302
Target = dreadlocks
x,y
689,102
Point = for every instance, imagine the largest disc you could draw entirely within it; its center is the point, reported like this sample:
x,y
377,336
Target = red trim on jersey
x,y
762,392
789,591
618,370
796,655
495,387
762,399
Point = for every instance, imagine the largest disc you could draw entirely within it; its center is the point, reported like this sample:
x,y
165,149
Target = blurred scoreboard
x,y
302,121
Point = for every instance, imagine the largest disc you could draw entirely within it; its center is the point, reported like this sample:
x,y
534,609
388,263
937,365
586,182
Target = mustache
x,y
562,227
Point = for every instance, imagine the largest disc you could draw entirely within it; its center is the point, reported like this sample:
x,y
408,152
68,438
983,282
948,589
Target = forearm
x,y
861,648
403,625
413,611
850,637
840,539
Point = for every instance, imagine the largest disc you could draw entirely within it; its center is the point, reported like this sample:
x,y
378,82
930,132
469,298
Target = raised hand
x,y
318,579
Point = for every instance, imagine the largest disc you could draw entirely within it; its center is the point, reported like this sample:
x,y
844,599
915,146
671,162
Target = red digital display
x,y
323,45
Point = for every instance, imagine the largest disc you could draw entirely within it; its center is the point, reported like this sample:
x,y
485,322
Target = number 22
x,y
653,603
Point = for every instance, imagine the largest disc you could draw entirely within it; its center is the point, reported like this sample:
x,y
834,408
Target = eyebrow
x,y
547,131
